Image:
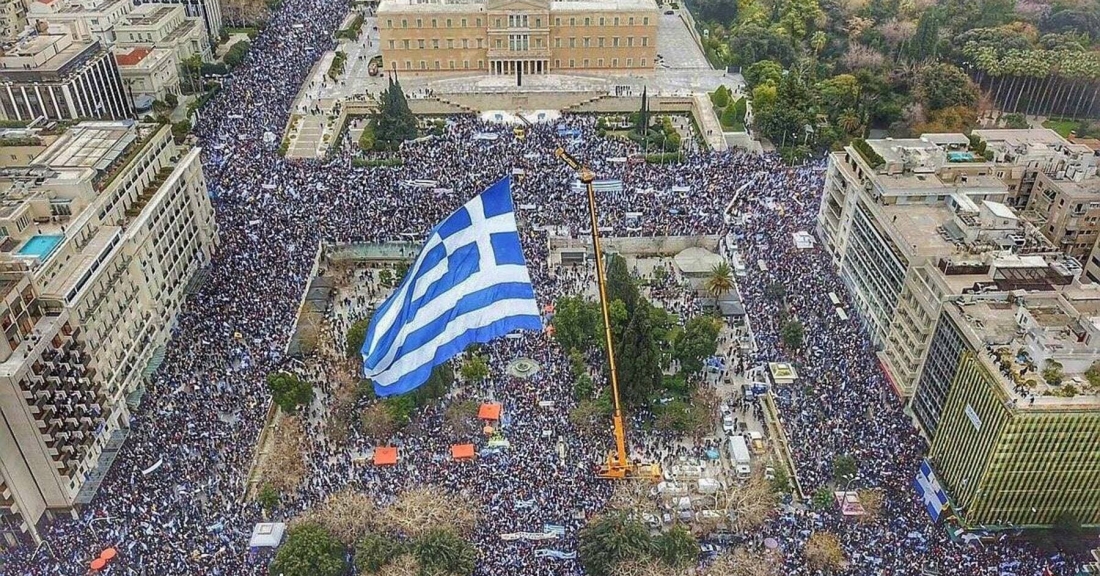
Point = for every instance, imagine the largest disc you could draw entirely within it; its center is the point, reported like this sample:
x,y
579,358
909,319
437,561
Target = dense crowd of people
x,y
202,414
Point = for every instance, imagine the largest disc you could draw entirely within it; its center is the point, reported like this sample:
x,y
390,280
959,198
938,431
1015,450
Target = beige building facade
x,y
164,26
514,37
101,235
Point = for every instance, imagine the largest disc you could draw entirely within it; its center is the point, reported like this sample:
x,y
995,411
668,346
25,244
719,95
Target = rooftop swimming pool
x,y
40,246
960,156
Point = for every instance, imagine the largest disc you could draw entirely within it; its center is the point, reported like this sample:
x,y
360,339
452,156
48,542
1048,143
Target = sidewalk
x,y
711,127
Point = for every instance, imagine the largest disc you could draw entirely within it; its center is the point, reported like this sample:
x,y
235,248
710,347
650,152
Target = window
x,y
406,44
586,62
480,64
614,62
587,21
389,23
435,44
404,23
450,44
517,21
629,62
572,63
437,64
645,40
518,42
601,20
408,65
393,44
643,62
645,21
478,22
423,65
538,22
557,42
420,44
616,20
463,22
480,43
600,39
572,42
587,42
500,43
557,21
419,23
630,21
498,23
615,42
434,23
599,63
572,21
557,63
629,41
465,43
538,42
465,64
448,22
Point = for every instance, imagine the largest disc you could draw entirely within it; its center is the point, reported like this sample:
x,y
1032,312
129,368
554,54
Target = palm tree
x,y
720,281
818,40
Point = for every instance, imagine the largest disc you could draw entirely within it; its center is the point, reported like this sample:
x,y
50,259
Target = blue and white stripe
x,y
468,285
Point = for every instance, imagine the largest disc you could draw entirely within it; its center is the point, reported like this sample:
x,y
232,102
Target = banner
x,y
534,536
556,554
519,504
554,529
152,468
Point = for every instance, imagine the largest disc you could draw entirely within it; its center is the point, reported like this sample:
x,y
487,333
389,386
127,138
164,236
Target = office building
x,y
13,20
87,20
1014,418
512,37
148,72
911,222
102,233
1067,211
164,26
54,76
210,11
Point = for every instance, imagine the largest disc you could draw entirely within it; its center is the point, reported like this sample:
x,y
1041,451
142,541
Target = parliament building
x,y
508,37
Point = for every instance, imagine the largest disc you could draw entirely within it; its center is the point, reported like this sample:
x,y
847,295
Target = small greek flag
x,y
468,285
930,491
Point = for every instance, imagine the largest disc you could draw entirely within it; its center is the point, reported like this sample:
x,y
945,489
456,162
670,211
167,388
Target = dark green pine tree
x,y
643,116
394,122
637,359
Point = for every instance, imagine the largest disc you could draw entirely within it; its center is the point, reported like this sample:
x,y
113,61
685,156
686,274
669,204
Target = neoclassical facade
x,y
508,37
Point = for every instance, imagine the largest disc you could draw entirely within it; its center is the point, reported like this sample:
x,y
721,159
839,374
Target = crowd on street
x,y
204,409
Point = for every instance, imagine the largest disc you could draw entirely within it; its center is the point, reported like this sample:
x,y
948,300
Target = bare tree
x,y
871,500
824,552
460,418
742,562
426,507
403,565
348,515
377,422
749,504
284,466
646,567
633,497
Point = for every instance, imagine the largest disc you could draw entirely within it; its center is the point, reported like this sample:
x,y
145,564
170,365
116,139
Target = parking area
x,y
676,48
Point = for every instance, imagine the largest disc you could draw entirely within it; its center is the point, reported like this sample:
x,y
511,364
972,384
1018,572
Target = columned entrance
x,y
511,67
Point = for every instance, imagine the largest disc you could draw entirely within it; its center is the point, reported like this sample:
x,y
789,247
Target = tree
x,y
289,392
720,281
620,283
944,85
697,342
309,551
577,323
872,501
792,334
748,504
394,122
441,551
715,10
609,540
347,515
720,97
798,17
374,551
822,499
637,359
752,42
1092,375
763,72
420,510
823,552
1015,121
180,130
380,421
592,414
171,100
236,53
677,548
1052,372
268,498
844,468
475,369
839,94
284,468
192,70
818,41
357,334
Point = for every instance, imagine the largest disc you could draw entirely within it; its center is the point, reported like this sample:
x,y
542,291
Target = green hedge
x,y
665,158
337,67
376,162
868,153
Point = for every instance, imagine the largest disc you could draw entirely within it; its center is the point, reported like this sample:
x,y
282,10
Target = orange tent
x,y
462,451
98,564
385,456
489,412
108,554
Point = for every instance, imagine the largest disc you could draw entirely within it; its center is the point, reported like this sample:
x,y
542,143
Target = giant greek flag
x,y
468,285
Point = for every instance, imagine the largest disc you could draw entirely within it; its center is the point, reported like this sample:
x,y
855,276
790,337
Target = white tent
x,y
267,535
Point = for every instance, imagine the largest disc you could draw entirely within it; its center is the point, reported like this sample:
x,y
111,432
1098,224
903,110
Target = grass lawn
x,y
1062,126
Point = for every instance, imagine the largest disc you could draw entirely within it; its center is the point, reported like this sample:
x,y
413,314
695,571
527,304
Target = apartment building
x,y
895,214
513,37
87,20
164,26
1068,212
13,19
1014,419
210,11
102,233
152,72
52,75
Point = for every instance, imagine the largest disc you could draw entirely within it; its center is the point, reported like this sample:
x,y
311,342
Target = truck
x,y
739,451
756,442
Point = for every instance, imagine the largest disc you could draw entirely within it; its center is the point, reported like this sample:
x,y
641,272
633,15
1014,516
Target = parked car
x,y
727,424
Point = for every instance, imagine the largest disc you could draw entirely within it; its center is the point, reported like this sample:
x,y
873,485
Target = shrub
x,y
720,97
869,155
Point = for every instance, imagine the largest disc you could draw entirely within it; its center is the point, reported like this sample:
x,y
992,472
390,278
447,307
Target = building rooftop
x,y
88,7
89,145
133,57
442,6
1039,344
149,14
44,53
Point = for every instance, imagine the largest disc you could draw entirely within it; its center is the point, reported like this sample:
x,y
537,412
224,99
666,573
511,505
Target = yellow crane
x,y
618,465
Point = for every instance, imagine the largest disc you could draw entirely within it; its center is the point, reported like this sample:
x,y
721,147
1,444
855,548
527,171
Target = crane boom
x,y
618,463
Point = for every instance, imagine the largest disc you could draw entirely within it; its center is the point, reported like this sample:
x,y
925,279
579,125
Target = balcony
x,y
530,54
